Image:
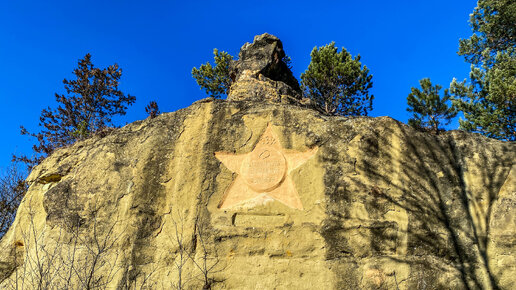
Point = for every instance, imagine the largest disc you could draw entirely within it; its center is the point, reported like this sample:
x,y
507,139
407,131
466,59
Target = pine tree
x,y
92,99
338,83
429,109
152,109
215,80
488,100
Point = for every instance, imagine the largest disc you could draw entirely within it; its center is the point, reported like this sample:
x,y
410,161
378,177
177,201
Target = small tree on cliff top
x,y
152,109
338,83
93,99
429,109
215,80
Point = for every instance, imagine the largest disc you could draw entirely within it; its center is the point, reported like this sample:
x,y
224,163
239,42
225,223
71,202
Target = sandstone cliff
x,y
259,194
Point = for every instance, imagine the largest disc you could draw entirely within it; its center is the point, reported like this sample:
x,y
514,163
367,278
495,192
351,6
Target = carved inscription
x,y
268,140
264,169
263,174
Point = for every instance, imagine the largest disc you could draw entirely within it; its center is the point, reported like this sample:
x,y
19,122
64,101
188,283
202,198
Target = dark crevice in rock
x,y
50,178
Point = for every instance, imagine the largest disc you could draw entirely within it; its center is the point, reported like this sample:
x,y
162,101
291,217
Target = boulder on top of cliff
x,y
260,73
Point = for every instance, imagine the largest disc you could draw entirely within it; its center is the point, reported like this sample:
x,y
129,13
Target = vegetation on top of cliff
x,y
338,83
488,100
335,81
92,99
152,109
429,109
215,80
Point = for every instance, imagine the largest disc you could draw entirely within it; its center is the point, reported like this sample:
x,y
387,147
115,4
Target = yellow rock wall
x,y
383,206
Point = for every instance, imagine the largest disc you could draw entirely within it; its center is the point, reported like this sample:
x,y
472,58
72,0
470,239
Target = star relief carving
x,y
263,174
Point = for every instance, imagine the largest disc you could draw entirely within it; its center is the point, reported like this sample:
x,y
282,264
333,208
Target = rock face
x,y
260,73
260,195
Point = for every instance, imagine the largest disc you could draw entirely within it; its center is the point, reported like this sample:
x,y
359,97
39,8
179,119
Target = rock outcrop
x,y
260,73
268,196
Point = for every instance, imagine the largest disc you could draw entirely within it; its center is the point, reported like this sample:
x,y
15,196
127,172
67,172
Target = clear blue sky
x,y
157,43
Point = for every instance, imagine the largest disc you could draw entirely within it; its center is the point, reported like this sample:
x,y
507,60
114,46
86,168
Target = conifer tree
x,y
92,99
152,109
488,100
215,80
337,82
429,109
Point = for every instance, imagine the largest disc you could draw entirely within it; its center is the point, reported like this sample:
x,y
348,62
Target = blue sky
x,y
157,43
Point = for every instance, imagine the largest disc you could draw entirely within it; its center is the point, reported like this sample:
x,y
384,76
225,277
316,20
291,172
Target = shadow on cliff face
x,y
424,176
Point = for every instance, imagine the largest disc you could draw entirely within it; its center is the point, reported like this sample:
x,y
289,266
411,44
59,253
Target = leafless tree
x,y
12,190
96,267
39,265
140,280
207,260
204,260
74,258
182,250
82,253
152,109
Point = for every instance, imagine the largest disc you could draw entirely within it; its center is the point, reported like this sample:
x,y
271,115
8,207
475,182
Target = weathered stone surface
x,y
261,75
384,206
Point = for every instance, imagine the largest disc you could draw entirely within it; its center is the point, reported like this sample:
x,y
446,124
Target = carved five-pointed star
x,y
263,174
